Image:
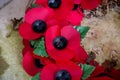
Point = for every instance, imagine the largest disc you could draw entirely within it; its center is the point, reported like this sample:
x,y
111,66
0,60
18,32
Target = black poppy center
x,y
75,6
54,3
62,75
39,26
60,42
38,63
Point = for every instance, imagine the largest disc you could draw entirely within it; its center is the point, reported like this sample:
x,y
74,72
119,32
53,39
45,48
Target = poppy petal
x,y
80,55
101,78
42,2
48,70
38,13
64,10
75,17
25,42
51,33
71,35
98,70
29,65
65,54
26,32
77,1
90,4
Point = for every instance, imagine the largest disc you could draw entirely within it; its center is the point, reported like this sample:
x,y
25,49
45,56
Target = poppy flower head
x,y
36,22
61,71
61,8
31,65
62,42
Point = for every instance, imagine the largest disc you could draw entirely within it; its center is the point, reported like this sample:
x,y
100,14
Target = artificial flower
x,y
62,70
31,65
36,22
61,8
64,43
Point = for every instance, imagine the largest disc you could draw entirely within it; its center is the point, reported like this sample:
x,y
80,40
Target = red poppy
x,y
61,8
61,71
75,17
90,4
62,43
31,65
37,20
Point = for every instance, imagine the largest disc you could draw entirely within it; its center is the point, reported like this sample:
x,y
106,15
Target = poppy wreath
x,y
52,37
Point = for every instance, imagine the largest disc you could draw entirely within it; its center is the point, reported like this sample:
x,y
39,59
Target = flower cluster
x,y
52,44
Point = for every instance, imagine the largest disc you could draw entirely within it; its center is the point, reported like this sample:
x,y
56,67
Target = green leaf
x,y
87,70
34,5
36,77
82,30
39,47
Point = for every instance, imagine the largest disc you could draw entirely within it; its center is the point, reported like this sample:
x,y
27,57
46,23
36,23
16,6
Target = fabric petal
x,y
77,1
51,33
48,72
64,10
75,17
81,55
29,65
65,54
38,13
71,35
101,78
42,2
90,4
26,32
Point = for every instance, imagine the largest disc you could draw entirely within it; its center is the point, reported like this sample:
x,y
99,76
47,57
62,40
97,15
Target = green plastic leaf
x,y
83,30
36,77
39,47
87,70
33,5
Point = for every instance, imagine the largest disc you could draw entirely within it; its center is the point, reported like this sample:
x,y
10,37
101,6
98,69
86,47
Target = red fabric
x,y
98,70
101,78
90,4
26,32
51,69
27,47
73,38
29,65
60,13
115,73
75,17
32,15
77,1
81,55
